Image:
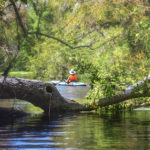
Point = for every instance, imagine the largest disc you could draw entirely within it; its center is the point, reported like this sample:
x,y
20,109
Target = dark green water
x,y
83,131
109,131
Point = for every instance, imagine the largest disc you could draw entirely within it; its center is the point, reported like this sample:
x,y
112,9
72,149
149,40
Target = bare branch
x,y
59,40
52,37
19,18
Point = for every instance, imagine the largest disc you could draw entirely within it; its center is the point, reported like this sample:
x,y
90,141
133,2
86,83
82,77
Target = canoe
x,y
63,83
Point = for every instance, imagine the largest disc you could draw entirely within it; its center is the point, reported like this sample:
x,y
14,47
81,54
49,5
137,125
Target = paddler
x,y
72,77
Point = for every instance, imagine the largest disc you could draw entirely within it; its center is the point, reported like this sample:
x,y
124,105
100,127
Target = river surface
x,y
73,92
81,131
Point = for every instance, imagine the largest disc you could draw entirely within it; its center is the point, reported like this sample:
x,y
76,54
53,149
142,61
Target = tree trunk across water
x,y
46,96
139,89
41,94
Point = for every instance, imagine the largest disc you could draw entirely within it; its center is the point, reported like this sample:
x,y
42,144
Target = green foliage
x,y
115,36
21,74
123,60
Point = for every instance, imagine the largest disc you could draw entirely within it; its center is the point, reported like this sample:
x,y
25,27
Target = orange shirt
x,y
72,78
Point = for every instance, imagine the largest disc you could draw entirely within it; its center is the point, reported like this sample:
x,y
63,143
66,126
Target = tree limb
x,y
19,18
59,40
38,93
131,92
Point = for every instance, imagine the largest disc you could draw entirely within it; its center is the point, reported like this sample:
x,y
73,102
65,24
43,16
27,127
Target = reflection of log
x,y
10,113
140,89
41,94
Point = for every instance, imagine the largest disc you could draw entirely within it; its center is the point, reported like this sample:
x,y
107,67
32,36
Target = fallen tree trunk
x,y
47,97
41,94
140,89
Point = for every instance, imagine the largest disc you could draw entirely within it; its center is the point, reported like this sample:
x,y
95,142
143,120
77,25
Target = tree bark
x,y
41,94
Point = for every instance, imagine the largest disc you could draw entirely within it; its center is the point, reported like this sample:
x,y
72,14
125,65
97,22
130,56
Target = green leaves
x,y
118,33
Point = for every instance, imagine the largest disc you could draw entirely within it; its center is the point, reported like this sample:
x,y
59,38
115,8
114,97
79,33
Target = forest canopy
x,y
106,41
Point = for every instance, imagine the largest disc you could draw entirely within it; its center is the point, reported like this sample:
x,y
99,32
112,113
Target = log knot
x,y
49,89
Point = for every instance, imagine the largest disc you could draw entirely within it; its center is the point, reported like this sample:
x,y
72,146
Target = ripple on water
x,y
112,131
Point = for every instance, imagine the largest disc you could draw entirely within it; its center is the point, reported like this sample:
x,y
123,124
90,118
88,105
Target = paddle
x,y
61,81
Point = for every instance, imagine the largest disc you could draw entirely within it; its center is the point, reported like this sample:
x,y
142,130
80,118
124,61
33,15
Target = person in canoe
x,y
72,77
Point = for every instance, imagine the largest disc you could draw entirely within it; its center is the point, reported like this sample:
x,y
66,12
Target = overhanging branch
x,y
59,40
38,33
19,18
52,37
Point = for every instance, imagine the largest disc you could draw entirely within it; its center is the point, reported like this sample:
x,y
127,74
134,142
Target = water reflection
x,y
20,105
73,92
111,131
